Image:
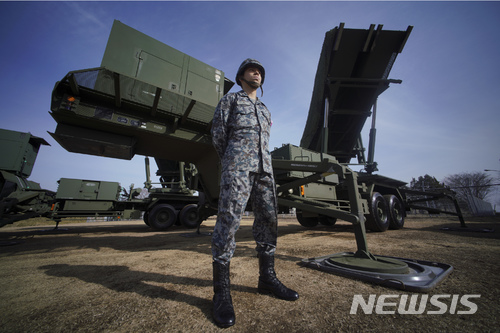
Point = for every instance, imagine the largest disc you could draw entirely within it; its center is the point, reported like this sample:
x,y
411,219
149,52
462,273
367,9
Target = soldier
x,y
240,133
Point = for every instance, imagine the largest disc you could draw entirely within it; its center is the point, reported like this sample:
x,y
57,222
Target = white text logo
x,y
415,304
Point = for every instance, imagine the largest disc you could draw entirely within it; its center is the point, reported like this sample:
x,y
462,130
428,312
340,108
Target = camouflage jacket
x,y
240,133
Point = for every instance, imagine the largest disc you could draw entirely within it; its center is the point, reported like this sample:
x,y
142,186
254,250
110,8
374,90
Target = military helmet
x,y
250,63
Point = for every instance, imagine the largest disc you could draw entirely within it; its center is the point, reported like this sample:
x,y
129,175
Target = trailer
x,y
21,199
353,71
160,104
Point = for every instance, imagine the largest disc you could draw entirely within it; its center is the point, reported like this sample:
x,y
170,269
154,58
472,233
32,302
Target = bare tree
x,y
477,184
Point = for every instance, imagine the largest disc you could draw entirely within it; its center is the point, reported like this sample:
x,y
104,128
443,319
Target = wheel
x,y
162,217
146,218
327,220
189,216
396,212
378,220
308,222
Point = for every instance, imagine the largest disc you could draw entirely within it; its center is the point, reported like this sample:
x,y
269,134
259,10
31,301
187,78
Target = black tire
x,y
327,220
308,222
189,216
396,212
378,220
146,218
162,216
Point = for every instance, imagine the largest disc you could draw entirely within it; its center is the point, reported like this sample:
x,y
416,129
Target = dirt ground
x,y
125,277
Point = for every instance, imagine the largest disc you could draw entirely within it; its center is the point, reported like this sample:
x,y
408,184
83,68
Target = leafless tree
x,y
477,184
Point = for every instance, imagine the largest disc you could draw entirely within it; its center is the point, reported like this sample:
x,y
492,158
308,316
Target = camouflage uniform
x,y
240,134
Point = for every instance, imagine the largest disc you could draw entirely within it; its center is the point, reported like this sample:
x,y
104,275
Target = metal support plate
x,y
422,275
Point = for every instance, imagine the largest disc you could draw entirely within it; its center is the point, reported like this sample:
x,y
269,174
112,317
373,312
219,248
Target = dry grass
x,y
125,277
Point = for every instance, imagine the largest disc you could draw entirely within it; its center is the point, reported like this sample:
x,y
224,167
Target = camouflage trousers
x,y
237,187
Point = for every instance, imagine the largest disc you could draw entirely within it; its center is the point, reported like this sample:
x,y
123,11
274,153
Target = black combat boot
x,y
223,311
269,283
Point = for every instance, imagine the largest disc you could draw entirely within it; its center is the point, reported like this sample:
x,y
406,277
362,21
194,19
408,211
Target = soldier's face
x,y
252,76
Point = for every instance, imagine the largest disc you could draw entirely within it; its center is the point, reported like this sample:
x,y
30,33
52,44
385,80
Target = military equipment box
x,y
289,152
78,194
19,151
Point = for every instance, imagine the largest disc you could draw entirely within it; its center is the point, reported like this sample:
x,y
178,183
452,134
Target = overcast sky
x,y
443,119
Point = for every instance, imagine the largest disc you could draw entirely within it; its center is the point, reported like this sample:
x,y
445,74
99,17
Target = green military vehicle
x,y
90,198
352,72
154,101
20,198
150,99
